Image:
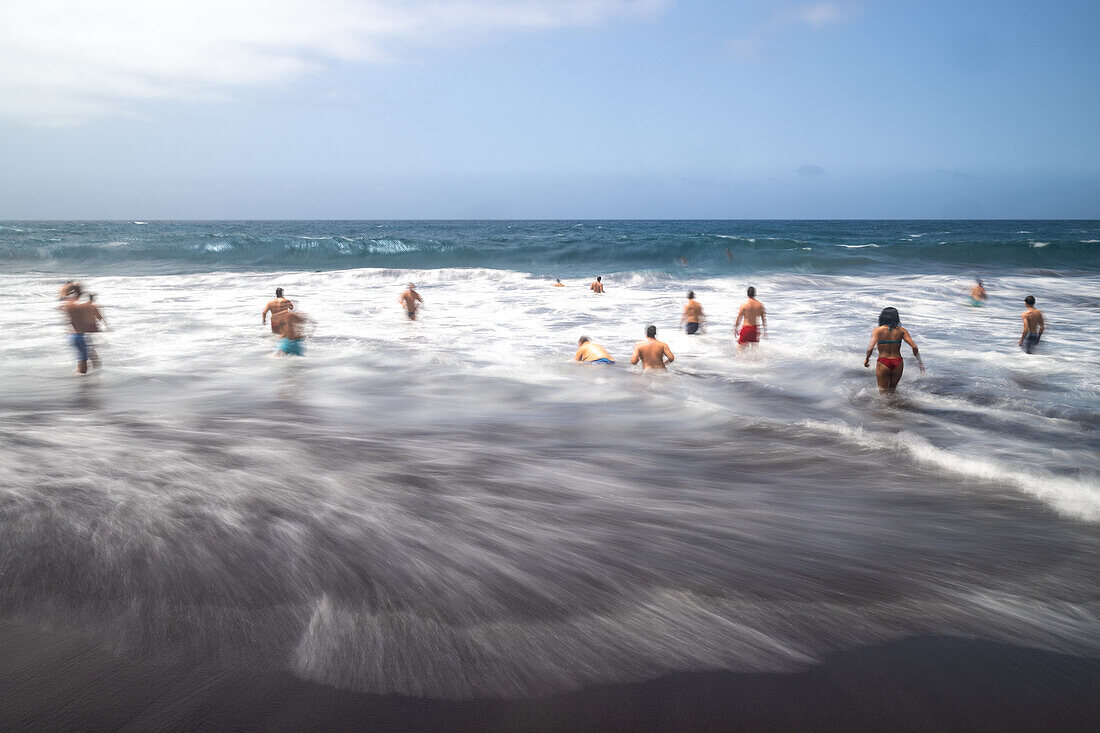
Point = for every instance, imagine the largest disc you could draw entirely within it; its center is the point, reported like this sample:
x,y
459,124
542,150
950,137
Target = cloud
x,y
811,170
65,61
815,15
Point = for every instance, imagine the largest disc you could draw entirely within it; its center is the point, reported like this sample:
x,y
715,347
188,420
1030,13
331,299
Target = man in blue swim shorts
x,y
84,319
290,325
591,352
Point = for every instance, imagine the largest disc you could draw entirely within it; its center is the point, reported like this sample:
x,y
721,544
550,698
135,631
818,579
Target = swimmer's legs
x,y
884,378
895,376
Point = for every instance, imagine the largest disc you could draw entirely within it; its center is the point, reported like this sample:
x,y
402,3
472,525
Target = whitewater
x,y
453,508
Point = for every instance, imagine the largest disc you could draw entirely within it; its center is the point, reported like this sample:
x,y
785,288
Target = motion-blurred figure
x,y
1033,325
591,352
692,317
888,337
752,318
410,300
291,326
83,318
652,353
275,307
978,295
597,287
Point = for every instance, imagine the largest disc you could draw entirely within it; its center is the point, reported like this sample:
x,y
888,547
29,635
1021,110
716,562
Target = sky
x,y
636,109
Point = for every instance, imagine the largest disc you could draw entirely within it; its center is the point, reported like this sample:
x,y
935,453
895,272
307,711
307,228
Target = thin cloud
x,y
65,61
811,170
817,15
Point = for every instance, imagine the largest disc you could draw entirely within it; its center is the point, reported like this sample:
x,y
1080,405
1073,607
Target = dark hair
x,y
889,317
75,289
752,292
1029,300
599,278
278,292
582,340
691,295
979,281
651,331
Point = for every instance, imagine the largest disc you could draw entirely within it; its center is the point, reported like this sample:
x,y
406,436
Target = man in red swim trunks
x,y
752,313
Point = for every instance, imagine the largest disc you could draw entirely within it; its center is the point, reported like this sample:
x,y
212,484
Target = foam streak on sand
x,y
452,508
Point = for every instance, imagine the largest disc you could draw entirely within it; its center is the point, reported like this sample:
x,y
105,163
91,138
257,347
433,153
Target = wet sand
x,y
57,681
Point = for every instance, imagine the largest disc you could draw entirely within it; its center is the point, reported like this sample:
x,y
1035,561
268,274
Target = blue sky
x,y
549,109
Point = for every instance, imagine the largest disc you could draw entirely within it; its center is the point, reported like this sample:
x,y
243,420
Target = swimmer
x,y
978,295
410,300
590,352
652,353
84,318
274,307
559,284
597,287
692,317
291,328
754,319
729,255
1034,326
888,337
683,262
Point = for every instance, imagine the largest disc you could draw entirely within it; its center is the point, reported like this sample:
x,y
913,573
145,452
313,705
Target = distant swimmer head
x,y
889,317
558,280
278,292
1029,300
979,281
582,340
691,295
74,289
752,292
651,331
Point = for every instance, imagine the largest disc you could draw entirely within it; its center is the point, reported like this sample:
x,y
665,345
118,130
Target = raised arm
x,y
913,345
871,347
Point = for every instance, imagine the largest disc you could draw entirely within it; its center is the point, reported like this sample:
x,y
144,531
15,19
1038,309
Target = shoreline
x,y
57,681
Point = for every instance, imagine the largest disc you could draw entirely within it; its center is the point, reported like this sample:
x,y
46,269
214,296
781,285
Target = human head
x,y
278,292
558,280
691,295
410,286
1029,300
979,281
582,340
752,292
73,290
651,331
889,317
599,278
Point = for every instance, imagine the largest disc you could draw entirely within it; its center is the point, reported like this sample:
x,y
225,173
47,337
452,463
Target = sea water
x,y
452,507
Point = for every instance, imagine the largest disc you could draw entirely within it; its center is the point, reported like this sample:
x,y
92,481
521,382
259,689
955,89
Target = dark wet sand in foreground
x,y
52,681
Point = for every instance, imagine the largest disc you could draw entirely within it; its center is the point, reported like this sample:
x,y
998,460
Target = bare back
x,y
693,311
752,313
82,316
652,354
1033,320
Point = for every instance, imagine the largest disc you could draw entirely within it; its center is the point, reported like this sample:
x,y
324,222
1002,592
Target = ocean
x,y
453,509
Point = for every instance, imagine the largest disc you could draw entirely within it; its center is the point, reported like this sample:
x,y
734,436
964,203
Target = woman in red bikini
x,y
888,337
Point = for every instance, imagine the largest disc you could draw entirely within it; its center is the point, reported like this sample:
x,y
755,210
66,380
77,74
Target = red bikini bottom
x,y
890,362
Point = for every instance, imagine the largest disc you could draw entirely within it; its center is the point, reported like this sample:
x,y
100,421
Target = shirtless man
x,y
1033,325
978,295
652,353
597,287
751,314
84,319
275,307
410,300
559,284
291,326
592,353
692,315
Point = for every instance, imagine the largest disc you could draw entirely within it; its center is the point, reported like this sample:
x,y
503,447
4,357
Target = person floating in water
x,y
590,352
597,287
888,337
729,255
410,300
1033,325
291,327
275,307
978,295
683,261
652,353
558,284
84,318
753,320
692,317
